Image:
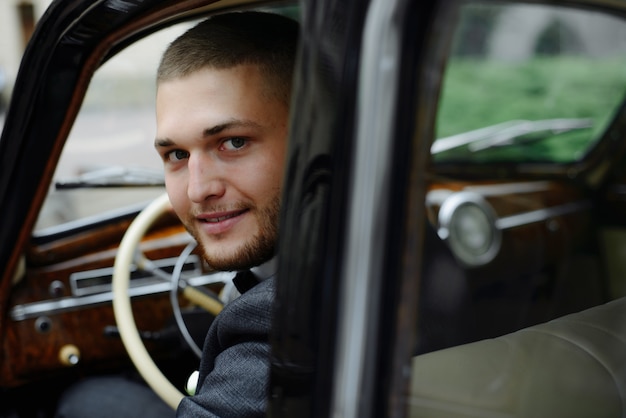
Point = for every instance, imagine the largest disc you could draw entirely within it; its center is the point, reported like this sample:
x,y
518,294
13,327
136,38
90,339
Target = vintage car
x,y
453,230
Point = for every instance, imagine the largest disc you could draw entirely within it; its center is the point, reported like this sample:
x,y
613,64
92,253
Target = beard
x,y
255,251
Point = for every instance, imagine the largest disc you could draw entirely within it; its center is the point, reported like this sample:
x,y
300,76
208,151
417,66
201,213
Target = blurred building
x,y
523,31
132,73
17,22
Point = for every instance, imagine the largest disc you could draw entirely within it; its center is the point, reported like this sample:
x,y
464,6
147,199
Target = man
x,y
223,91
222,105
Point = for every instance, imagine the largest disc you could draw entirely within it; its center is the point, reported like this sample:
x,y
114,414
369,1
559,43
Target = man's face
x,y
223,142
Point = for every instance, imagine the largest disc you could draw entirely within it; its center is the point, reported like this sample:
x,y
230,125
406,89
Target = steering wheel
x,y
127,253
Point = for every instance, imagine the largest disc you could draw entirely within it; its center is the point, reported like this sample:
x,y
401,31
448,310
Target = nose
x,y
205,181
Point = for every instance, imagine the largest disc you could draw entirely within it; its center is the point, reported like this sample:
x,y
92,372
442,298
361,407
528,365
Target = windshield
x,y
108,162
529,83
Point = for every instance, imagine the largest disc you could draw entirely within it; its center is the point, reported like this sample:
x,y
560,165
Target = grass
x,y
483,93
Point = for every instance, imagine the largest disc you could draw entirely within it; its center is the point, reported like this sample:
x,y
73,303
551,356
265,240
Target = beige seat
x,y
574,366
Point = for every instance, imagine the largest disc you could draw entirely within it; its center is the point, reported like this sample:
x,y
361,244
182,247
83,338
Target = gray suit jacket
x,y
234,370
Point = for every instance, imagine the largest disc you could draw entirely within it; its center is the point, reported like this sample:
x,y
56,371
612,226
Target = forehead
x,y
249,74
212,97
252,79
209,87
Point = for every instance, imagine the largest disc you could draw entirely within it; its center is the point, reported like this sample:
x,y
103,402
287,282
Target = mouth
x,y
220,217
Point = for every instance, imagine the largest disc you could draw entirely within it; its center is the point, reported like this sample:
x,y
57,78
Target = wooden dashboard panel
x,y
35,337
540,221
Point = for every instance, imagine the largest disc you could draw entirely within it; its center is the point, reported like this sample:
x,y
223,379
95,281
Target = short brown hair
x,y
227,40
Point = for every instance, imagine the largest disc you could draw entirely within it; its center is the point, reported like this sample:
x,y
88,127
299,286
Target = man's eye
x,y
176,155
234,143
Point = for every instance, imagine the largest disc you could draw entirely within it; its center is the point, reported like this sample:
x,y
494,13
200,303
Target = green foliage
x,y
480,93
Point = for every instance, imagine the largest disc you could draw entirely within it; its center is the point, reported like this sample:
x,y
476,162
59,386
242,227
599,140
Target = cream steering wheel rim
x,y
122,308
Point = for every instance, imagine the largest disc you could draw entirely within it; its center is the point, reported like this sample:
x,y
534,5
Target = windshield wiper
x,y
114,177
505,133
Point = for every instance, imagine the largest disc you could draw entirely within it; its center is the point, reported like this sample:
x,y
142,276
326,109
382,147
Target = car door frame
x,y
351,301
353,208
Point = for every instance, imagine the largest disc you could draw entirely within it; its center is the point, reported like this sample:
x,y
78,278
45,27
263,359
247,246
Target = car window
x,y
108,161
520,312
529,83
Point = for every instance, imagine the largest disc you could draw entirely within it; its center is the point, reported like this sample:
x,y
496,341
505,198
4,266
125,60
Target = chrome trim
x,y
356,345
510,188
106,274
476,196
71,303
504,133
451,204
446,215
539,215
438,196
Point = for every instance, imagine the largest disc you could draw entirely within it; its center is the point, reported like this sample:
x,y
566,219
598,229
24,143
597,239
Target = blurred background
x,y
17,22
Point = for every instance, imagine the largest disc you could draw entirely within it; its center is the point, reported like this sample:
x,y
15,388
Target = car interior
x,y
566,357
521,295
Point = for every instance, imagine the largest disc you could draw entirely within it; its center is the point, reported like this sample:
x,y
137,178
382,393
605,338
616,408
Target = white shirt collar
x,y
262,272
267,269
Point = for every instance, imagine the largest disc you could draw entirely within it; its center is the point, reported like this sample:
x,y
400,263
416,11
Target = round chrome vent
x,y
468,224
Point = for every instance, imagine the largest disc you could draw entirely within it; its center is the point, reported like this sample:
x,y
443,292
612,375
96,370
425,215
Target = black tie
x,y
244,281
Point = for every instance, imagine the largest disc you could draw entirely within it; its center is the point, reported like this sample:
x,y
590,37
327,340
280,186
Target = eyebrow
x,y
214,130
163,143
238,123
